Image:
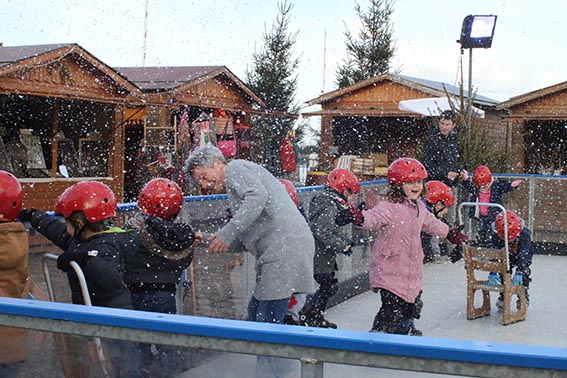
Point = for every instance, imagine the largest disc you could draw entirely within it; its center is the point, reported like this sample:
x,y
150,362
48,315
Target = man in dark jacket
x,y
441,160
441,155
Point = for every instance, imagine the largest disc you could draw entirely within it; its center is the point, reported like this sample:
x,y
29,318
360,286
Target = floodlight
x,y
477,31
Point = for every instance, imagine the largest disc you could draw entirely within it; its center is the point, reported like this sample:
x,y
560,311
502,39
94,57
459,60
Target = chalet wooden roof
x,y
528,97
178,79
427,87
62,70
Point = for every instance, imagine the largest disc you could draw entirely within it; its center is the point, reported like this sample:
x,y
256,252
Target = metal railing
x,y
313,347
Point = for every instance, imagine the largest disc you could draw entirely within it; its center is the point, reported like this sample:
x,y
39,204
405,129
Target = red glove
x,y
456,237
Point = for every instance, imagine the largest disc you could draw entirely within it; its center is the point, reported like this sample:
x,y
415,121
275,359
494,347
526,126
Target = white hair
x,y
202,156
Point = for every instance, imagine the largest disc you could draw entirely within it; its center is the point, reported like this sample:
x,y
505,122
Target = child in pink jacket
x,y
396,265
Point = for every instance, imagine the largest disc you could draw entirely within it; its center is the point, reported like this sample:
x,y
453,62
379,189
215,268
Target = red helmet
x,y
93,198
405,170
482,176
10,197
290,188
438,191
514,225
341,179
160,198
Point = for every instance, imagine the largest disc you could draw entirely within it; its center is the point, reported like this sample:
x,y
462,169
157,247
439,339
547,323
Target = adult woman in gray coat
x,y
266,222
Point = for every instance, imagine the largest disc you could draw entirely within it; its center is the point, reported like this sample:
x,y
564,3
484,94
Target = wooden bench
x,y
478,259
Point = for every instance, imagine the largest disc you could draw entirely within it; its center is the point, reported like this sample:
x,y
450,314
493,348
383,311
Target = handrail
x,y
78,272
312,346
477,204
86,298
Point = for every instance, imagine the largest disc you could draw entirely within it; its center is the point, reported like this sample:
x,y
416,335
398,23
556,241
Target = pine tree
x,y
274,80
370,54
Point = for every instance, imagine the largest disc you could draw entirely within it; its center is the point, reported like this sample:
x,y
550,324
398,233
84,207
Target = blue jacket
x,y
497,190
521,250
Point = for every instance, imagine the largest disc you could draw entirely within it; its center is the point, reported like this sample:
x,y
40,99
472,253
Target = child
x,y
152,274
297,300
396,265
438,198
520,248
87,238
166,248
13,271
330,240
484,189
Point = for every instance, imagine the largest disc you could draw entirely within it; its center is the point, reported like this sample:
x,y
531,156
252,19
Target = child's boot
x,y
493,279
518,278
314,318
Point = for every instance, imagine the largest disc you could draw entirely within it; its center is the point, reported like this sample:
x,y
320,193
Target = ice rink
x,y
443,316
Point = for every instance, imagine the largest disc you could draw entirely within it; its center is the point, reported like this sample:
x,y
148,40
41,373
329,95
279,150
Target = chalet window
x,y
60,137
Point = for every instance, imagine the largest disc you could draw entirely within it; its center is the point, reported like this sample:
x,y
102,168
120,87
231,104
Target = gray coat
x,y
269,226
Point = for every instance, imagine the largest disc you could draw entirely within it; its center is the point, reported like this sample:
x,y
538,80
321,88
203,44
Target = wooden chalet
x,y
364,117
171,92
538,121
65,116
66,108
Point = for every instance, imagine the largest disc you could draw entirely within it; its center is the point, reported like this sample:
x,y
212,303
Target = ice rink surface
x,y
443,316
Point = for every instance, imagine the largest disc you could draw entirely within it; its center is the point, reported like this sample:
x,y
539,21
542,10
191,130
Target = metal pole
x,y
469,102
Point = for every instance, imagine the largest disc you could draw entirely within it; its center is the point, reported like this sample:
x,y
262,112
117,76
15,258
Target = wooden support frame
x,y
492,260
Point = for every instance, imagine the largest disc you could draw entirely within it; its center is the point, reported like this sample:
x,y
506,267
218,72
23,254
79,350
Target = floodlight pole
x,y
469,102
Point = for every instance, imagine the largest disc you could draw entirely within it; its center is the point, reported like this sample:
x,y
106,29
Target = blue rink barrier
x,y
312,346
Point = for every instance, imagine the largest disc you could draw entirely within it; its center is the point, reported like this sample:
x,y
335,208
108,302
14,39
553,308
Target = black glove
x,y
456,237
64,259
350,215
456,254
27,214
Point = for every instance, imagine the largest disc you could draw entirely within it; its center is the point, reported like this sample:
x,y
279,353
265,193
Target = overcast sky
x,y
527,53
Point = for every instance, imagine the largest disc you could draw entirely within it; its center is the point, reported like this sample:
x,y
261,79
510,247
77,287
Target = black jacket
x,y
330,239
103,272
441,156
166,250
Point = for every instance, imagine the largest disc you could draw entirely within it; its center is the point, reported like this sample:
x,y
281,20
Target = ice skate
x,y
315,318
414,331
289,320
493,279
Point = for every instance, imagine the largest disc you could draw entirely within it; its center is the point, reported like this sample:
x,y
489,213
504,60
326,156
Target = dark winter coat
x,y
521,250
166,250
330,239
441,156
498,188
103,272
